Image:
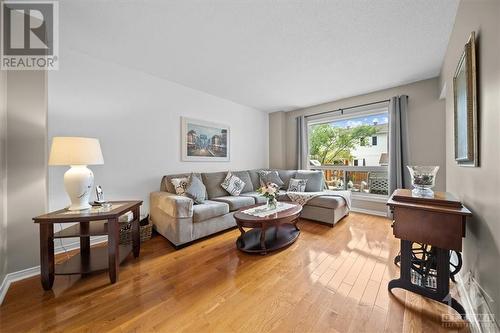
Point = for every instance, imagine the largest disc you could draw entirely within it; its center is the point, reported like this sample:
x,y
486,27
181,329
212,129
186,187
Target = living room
x,y
250,166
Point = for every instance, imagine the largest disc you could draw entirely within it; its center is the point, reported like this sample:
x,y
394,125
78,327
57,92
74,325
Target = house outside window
x,y
351,150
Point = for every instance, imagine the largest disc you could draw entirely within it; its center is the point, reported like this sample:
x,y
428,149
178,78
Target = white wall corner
x,y
442,94
476,307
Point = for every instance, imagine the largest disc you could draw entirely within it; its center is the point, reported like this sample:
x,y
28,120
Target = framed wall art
x,y
465,107
204,141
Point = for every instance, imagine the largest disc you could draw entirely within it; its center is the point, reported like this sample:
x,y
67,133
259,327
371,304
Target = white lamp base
x,y
78,182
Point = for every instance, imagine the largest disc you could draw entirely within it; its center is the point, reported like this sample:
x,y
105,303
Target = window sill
x,y
370,197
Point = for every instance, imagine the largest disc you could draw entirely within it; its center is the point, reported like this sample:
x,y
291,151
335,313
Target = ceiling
x,y
270,55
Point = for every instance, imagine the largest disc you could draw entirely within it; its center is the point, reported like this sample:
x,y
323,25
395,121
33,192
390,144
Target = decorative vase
x,y
423,179
272,203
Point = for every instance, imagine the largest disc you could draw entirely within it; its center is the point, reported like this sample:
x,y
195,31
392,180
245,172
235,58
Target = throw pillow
x,y
195,189
233,184
180,185
267,177
297,185
315,180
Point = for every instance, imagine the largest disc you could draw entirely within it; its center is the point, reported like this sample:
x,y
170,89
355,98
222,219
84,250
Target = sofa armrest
x,y
173,205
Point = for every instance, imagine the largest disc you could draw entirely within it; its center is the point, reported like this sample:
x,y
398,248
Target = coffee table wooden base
x,y
275,237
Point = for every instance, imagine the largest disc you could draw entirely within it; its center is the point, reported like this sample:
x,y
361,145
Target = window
x,y
351,149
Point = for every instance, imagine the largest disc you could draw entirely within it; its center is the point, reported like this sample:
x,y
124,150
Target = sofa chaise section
x,y
325,209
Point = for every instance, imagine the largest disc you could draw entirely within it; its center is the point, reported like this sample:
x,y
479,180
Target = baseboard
x,y
16,276
29,272
368,211
475,305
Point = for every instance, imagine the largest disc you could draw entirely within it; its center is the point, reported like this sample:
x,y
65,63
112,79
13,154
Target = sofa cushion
x,y
236,203
315,180
212,182
270,176
208,210
326,202
285,176
233,184
256,195
254,176
195,189
245,177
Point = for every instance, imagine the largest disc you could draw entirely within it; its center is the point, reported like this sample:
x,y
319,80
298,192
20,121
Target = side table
x,y
91,222
438,223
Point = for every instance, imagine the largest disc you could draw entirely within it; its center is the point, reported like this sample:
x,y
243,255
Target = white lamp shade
x,y
75,151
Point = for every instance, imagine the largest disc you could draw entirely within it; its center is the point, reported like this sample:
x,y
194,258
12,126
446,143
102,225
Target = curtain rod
x,y
350,107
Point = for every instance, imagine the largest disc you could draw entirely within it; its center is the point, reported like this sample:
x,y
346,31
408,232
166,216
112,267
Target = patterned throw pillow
x,y
180,185
267,176
196,189
233,184
297,185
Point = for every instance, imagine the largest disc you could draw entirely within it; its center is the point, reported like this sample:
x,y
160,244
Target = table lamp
x,y
77,153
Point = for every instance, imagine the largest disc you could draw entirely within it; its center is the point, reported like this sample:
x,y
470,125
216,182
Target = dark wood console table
x,y
92,222
437,225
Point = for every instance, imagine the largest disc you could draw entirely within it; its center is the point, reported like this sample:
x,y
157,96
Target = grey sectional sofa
x,y
181,221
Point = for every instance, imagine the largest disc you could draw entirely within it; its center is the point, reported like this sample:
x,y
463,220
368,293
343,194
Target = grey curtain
x,y
399,176
302,144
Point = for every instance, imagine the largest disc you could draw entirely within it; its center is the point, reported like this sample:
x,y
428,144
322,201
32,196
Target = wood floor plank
x,y
329,280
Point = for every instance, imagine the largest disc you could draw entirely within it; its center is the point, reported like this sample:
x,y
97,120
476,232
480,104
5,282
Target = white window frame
x,y
349,114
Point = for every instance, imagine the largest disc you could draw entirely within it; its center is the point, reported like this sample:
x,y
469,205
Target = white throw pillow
x,y
297,185
180,185
233,184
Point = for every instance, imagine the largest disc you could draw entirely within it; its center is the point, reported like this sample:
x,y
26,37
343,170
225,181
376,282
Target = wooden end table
x,y
91,222
268,233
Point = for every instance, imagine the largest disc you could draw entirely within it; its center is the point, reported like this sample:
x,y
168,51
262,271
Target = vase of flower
x,y
270,192
272,203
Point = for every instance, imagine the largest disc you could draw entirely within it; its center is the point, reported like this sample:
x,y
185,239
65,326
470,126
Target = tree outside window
x,y
333,145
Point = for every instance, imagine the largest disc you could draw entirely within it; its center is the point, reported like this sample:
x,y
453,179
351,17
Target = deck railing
x,y
357,179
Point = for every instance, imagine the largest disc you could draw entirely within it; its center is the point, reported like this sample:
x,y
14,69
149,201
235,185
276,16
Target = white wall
x,y
136,117
478,188
3,175
26,165
277,127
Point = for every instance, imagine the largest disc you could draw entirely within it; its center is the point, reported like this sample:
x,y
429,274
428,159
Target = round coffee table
x,y
267,233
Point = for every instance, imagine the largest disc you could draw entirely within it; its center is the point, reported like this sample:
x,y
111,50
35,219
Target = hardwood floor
x,y
330,280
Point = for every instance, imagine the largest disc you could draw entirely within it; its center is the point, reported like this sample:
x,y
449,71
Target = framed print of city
x,y
465,107
204,141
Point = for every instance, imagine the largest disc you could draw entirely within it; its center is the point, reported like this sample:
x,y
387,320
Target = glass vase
x,y
423,179
272,203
